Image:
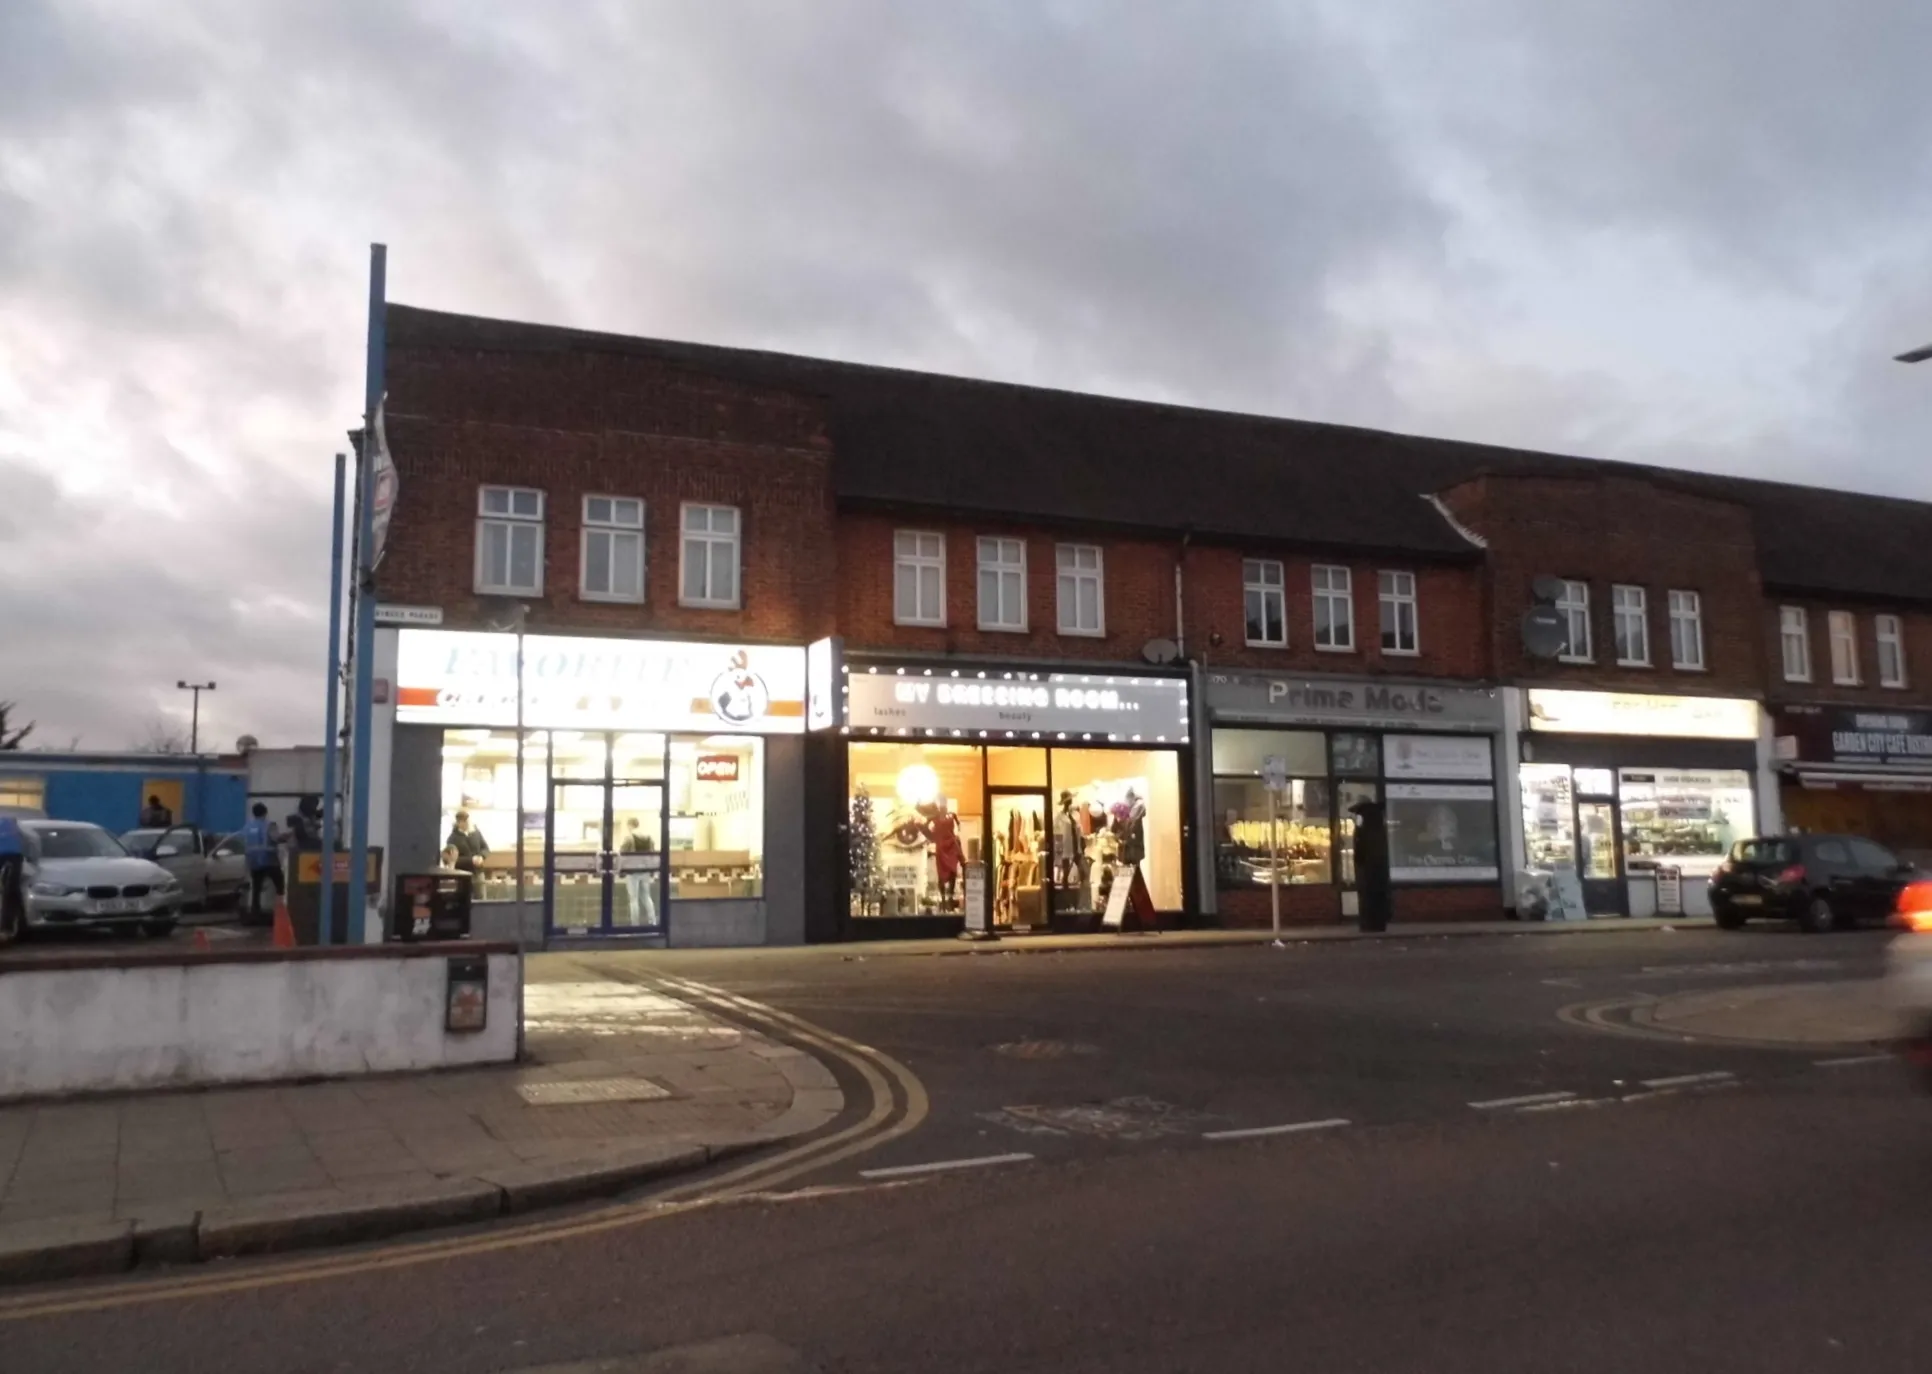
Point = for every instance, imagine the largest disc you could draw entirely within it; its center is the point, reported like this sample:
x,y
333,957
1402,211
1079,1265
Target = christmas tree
x,y
862,854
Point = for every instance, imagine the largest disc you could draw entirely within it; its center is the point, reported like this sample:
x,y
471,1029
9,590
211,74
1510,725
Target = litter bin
x,y
305,896
430,906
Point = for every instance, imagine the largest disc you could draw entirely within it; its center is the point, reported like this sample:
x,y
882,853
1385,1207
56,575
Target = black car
x,y
1823,882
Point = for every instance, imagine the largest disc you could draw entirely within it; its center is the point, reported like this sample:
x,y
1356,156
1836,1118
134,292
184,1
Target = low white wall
x,y
140,1024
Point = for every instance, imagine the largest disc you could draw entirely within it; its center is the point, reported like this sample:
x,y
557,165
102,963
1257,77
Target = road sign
x,y
1274,772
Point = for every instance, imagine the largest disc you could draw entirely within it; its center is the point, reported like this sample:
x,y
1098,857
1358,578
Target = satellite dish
x,y
1160,651
1546,589
247,743
1545,633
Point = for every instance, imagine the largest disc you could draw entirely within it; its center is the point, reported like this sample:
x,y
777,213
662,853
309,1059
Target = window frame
x,y
712,540
1794,628
1889,631
1077,575
1624,617
510,521
1841,628
1330,594
1687,612
917,562
611,528
1000,569
1386,597
1254,583
1576,612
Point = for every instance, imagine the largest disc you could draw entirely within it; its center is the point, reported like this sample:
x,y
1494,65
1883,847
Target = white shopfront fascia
x,y
468,678
1634,713
1003,704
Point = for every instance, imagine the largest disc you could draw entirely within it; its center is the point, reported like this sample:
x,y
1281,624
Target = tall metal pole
x,y
522,613
1274,867
194,726
331,760
363,634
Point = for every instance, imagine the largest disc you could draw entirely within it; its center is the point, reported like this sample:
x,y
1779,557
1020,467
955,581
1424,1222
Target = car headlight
x,y
168,885
51,890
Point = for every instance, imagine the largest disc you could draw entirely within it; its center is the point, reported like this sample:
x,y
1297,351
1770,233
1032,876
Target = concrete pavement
x,y
621,1084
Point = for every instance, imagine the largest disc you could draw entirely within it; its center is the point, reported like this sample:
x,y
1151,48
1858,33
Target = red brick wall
x,y
571,425
1449,615
1608,530
1137,581
1917,628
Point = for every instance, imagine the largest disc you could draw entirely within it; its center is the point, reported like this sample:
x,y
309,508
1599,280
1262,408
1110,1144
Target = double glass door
x,y
605,855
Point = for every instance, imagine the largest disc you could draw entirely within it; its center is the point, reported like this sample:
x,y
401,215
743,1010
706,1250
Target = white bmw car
x,y
77,876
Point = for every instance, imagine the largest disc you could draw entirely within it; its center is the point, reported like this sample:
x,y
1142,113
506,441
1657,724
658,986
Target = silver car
x,y
76,875
212,869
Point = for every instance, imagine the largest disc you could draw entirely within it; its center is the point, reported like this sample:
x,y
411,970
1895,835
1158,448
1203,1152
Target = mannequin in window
x,y
1130,819
1069,845
942,829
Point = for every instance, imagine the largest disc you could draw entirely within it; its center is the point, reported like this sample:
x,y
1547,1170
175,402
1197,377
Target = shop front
x,y
1425,751
1062,784
1628,802
1858,771
659,783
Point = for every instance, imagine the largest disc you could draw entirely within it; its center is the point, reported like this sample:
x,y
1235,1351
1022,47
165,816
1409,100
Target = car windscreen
x,y
140,841
74,842
1764,852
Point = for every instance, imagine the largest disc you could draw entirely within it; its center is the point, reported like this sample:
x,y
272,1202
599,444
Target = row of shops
x,y
705,793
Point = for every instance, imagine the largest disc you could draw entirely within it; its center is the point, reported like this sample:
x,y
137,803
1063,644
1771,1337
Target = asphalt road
x,y
1772,1221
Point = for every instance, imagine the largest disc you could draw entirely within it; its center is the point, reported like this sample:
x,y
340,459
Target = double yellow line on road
x,y
898,1105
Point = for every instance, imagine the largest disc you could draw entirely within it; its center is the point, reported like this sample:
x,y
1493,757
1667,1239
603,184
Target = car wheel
x,y
157,930
1818,918
1728,918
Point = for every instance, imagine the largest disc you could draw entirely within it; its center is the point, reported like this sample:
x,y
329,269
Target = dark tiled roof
x,y
921,439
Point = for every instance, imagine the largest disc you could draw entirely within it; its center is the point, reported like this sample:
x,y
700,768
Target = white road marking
x,y
1292,1128
1526,1100
1850,1060
942,1165
1684,1080
1718,1085
1565,1104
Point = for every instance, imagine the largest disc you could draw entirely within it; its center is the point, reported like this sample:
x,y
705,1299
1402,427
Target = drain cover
x,y
566,1092
1045,1049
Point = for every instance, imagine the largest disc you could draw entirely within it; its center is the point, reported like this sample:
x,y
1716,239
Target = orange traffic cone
x,y
201,940
284,928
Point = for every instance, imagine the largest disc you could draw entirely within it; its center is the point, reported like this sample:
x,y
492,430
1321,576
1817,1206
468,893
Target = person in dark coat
x,y
155,816
1371,846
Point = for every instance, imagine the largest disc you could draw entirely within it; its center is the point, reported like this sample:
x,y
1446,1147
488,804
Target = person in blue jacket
x,y
262,843
13,902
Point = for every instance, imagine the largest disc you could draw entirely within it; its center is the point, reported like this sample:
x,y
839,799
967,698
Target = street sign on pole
x,y
1274,776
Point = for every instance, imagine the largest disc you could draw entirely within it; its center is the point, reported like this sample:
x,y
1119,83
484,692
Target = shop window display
x,y
1686,820
716,796
1549,818
480,785
1303,839
1442,832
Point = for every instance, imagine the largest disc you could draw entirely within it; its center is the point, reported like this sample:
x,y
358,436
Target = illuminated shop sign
x,y
1633,713
469,678
1374,702
975,704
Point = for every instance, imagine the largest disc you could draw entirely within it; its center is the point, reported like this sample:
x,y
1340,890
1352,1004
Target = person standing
x,y
641,881
468,842
13,898
261,842
156,816
1371,848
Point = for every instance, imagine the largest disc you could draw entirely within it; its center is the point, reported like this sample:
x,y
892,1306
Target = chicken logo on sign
x,y
738,695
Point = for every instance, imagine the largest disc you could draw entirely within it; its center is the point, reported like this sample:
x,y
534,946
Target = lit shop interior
x,y
1617,828
1437,791
615,823
1052,825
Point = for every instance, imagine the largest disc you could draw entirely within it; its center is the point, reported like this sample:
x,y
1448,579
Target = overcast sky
x,y
1684,233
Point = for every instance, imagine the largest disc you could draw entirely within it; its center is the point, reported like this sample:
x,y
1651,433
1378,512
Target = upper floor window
x,y
1334,608
1794,638
1397,592
613,551
1264,597
918,578
1843,628
1891,651
708,568
1002,584
1082,593
1631,613
509,541
1687,631
1574,607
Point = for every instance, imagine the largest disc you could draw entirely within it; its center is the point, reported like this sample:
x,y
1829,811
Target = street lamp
x,y
1917,355
194,728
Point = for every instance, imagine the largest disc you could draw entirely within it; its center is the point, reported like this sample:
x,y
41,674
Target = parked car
x,y
212,869
1823,882
77,875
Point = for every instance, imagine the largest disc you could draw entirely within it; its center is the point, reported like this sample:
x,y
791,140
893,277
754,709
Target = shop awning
x,y
1873,778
